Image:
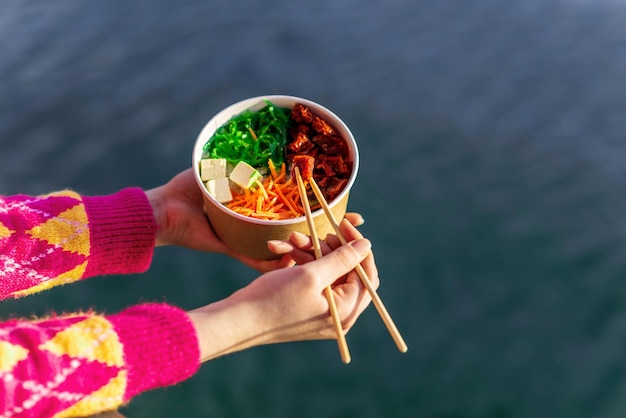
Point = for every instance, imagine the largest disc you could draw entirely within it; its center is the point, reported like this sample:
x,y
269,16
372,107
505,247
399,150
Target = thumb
x,y
341,261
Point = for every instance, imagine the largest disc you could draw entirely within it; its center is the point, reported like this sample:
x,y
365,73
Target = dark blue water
x,y
492,139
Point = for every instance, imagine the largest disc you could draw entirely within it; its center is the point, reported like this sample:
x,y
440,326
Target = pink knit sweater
x,y
80,364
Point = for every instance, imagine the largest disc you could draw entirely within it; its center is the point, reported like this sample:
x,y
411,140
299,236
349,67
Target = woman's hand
x,y
179,214
289,304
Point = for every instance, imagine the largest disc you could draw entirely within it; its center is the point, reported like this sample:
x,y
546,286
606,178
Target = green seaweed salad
x,y
252,136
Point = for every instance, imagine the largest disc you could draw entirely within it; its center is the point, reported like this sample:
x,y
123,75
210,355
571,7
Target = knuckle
x,y
346,257
308,276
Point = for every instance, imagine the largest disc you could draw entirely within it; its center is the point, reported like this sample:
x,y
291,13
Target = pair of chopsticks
x,y
378,303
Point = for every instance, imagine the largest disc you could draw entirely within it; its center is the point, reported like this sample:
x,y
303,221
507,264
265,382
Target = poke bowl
x,y
242,160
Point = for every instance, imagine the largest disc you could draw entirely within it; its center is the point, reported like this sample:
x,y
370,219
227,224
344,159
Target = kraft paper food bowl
x,y
248,235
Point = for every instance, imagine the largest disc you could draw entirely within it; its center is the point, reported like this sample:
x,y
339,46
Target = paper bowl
x,y
247,235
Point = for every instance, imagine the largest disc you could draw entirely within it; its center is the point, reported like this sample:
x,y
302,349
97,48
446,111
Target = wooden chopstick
x,y
341,338
378,303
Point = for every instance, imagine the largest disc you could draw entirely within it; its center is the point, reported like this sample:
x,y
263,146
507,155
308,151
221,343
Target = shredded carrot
x,y
259,203
276,197
262,188
272,167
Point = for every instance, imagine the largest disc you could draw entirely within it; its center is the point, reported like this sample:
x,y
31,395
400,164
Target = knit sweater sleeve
x,y
78,365
62,237
83,363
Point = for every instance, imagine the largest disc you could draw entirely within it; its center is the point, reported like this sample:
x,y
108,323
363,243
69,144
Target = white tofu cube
x,y
244,175
212,168
220,189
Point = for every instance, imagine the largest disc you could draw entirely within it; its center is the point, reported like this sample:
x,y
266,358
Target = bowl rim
x,y
256,103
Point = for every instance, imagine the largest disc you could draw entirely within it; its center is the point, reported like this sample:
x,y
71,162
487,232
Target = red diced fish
x,y
302,114
305,164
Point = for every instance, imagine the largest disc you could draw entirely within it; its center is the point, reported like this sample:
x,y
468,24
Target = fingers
x,y
264,266
299,246
369,265
300,240
280,247
340,261
355,218
349,231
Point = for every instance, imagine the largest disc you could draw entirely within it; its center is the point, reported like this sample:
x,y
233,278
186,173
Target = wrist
x,y
157,202
227,326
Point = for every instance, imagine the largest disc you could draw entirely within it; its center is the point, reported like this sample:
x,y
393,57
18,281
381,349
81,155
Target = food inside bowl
x,y
247,163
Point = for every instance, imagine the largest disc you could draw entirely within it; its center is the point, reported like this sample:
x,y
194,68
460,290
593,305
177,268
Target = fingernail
x,y
297,234
362,246
276,243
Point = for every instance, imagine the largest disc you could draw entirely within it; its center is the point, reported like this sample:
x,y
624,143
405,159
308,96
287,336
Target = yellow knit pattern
x,y
86,345
105,399
10,355
66,236
92,339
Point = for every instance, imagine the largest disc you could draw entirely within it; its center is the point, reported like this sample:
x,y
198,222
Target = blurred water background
x,y
492,183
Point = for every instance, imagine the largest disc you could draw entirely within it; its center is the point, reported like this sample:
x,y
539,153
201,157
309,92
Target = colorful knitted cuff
x,y
160,346
123,233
